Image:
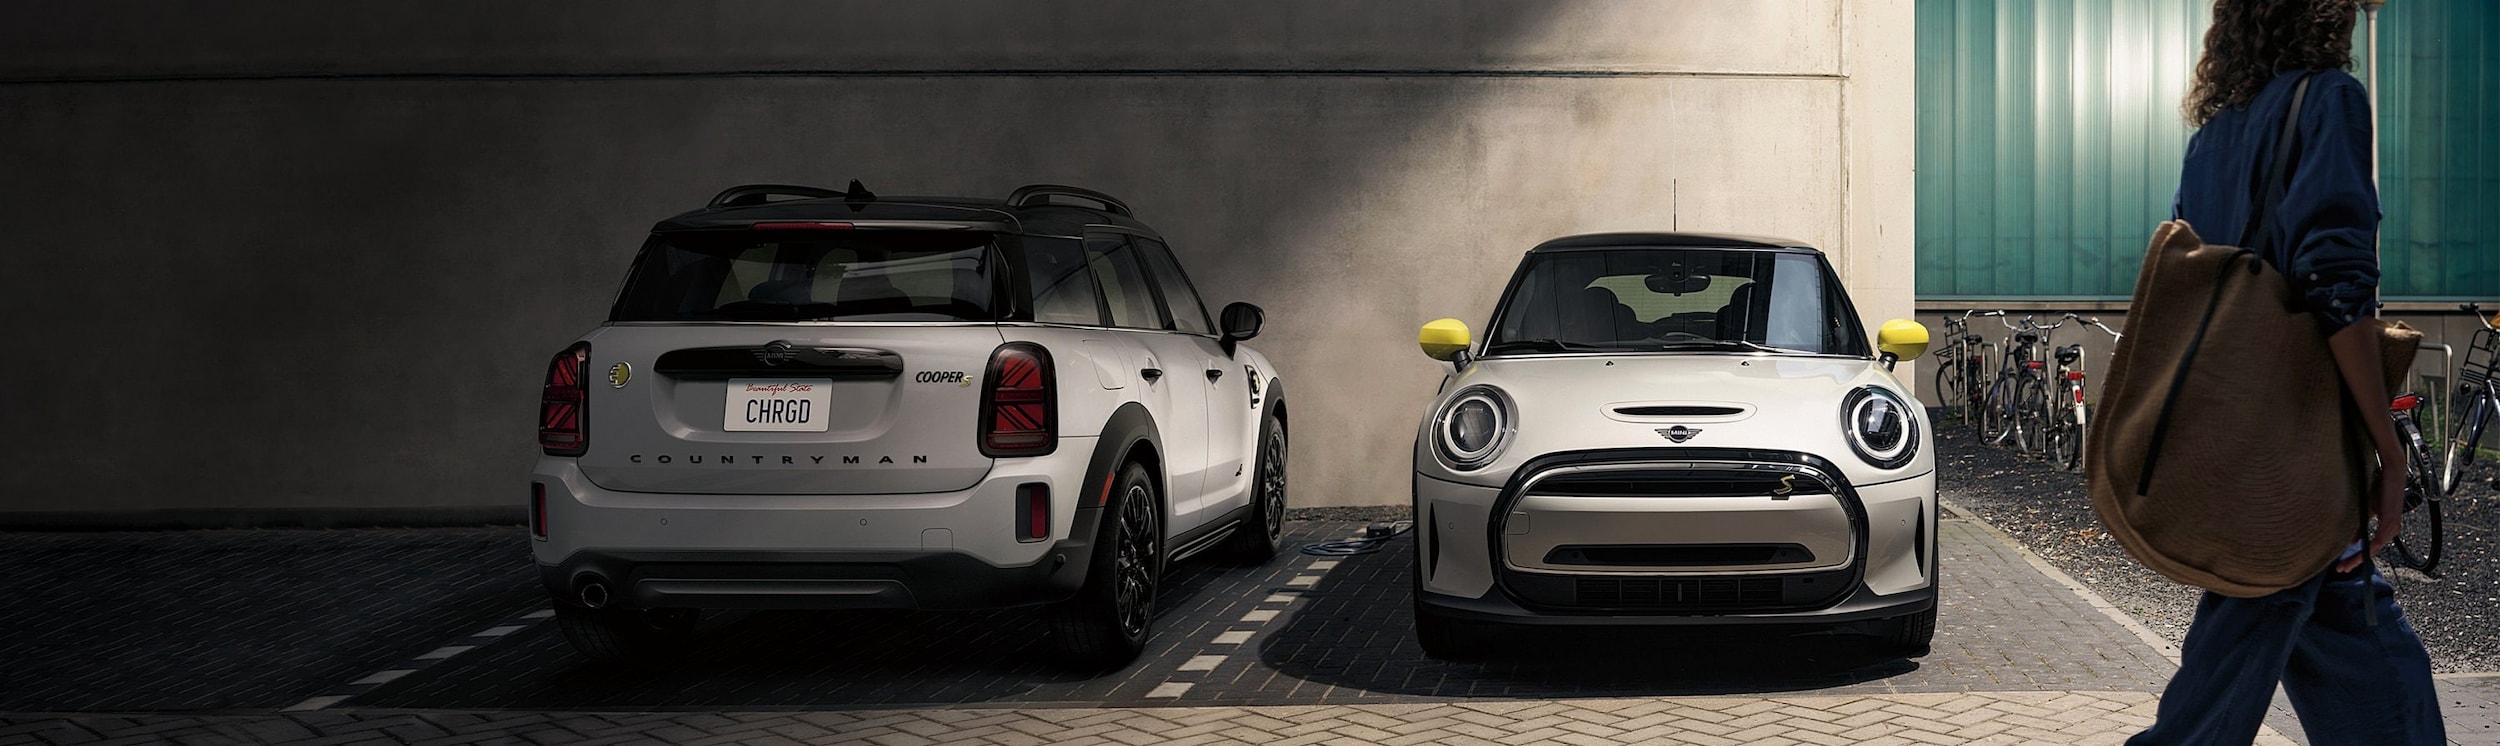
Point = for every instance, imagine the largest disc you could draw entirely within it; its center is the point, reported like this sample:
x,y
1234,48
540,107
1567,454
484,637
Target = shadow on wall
x,y
350,286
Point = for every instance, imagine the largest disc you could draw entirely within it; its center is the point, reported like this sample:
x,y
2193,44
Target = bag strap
x,y
2278,178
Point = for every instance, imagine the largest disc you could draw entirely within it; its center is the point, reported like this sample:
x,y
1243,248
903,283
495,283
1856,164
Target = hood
x,y
1586,402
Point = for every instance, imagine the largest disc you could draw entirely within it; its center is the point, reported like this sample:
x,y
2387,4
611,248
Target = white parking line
x,y
1169,689
1261,615
384,677
539,614
1281,598
1234,637
1324,565
498,631
1202,663
315,703
1303,580
446,652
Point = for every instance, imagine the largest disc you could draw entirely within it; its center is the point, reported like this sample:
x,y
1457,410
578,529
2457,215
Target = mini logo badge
x,y
1788,486
618,374
775,353
1679,433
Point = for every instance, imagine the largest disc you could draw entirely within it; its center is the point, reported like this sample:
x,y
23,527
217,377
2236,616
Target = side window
x,y
1122,281
1063,284
1187,313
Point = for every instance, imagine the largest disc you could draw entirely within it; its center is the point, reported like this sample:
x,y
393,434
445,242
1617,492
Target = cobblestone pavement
x,y
1298,650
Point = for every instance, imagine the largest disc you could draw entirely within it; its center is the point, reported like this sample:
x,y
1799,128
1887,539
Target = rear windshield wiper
x,y
1542,345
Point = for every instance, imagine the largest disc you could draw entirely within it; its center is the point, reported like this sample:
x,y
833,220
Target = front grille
x,y
1672,593
1678,482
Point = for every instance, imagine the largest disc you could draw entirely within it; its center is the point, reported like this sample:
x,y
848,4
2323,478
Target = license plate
x,y
777,405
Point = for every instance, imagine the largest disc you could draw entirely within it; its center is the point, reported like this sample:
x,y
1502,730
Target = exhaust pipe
x,y
594,594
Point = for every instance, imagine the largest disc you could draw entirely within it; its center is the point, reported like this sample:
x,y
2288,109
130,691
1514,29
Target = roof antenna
x,y
858,197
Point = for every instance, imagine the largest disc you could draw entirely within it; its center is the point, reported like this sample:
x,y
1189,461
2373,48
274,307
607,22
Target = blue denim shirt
x,y
2324,234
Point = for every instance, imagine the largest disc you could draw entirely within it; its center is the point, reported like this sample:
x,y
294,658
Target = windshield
x,y
1637,299
812,275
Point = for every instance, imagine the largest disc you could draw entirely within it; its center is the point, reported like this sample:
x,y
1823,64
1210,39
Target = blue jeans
x,y
2351,664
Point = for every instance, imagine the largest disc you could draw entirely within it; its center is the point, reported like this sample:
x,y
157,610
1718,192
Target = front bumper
x,y
1722,539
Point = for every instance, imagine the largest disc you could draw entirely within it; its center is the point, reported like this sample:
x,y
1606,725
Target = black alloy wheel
x,y
1105,625
1263,533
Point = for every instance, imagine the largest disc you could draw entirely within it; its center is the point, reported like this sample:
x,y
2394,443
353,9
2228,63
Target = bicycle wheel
x,y
2418,531
1948,392
2473,412
1996,413
2065,440
2031,416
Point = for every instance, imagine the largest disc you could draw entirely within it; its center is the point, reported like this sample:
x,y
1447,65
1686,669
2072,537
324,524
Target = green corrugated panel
x,y
2439,171
2049,143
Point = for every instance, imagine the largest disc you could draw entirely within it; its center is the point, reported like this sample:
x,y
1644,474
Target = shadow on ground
x,y
1356,630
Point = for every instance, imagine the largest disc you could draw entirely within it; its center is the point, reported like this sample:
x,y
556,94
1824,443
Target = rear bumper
x,y
820,580
952,550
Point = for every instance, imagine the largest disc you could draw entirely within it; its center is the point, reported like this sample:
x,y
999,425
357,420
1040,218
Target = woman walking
x,y
2352,666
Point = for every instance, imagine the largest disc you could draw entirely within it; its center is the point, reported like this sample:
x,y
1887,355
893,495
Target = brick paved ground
x,y
2019,659
236,619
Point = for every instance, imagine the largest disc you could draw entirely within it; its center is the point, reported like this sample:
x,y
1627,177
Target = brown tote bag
x,y
2224,454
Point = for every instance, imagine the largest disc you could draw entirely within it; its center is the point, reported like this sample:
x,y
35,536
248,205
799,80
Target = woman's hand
x,y
2388,508
2357,358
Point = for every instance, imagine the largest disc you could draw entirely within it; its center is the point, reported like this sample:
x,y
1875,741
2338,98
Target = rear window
x,y
811,276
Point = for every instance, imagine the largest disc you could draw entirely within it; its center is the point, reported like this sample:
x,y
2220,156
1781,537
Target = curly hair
x,y
2252,40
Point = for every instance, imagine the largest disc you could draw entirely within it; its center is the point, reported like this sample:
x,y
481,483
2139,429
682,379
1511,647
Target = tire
x,y
1910,636
1950,403
2418,534
1262,533
2031,416
1996,412
1105,625
629,636
1448,639
2462,438
2066,440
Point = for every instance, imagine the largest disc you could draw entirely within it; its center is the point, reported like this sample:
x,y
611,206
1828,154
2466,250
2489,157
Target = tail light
x,y
1019,403
1032,512
2033,364
538,509
2074,375
2078,396
564,404
2405,403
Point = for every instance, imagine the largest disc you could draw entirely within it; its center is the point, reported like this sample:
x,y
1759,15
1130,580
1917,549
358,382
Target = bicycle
x,y
1957,369
2017,383
2037,406
2418,533
2067,429
2476,403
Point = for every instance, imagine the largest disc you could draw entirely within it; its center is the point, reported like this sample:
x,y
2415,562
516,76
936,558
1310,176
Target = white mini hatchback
x,y
1673,429
805,398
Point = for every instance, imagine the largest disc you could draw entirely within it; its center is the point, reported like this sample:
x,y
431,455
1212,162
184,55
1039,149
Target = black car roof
x,y
1591,241
1036,219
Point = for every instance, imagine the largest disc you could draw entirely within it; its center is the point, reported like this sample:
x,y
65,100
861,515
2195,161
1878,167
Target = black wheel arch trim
x,y
1129,428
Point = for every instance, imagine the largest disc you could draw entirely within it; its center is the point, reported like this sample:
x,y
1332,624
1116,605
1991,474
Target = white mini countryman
x,y
1674,429
812,399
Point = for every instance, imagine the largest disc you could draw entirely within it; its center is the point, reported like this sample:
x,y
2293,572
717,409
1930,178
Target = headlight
x,y
1472,428
1880,427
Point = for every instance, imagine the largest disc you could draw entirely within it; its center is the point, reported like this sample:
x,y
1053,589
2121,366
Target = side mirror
x,y
1241,321
1444,339
1901,339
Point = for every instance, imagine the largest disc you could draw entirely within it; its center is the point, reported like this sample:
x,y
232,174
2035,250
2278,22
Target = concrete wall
x,y
313,257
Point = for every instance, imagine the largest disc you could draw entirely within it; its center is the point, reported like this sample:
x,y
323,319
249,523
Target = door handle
x,y
1214,373
1151,373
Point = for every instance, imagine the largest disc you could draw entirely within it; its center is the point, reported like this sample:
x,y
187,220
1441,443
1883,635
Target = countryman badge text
x,y
775,411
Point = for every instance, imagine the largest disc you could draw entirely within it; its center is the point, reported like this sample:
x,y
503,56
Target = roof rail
x,y
756,194
1035,194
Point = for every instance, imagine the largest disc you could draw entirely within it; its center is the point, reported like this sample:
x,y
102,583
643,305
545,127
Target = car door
x,y
1171,383
1230,418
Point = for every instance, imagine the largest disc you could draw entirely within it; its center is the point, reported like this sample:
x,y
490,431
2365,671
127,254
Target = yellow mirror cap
x,y
1903,338
1443,338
